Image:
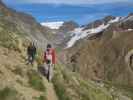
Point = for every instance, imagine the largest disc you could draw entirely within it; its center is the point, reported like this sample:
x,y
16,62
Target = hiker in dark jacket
x,y
31,52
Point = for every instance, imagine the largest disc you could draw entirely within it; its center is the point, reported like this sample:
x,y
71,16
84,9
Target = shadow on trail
x,y
41,69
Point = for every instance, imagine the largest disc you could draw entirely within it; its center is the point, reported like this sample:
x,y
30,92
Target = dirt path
x,y
51,94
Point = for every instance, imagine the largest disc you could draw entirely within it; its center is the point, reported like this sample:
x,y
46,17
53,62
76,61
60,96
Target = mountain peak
x,y
97,23
68,26
108,18
130,14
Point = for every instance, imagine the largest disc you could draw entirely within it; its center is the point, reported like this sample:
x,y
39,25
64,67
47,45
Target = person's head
x,y
49,46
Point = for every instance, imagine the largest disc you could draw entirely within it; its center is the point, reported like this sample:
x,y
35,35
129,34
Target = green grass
x,y
9,34
60,89
58,49
70,86
94,92
35,80
59,85
8,94
125,89
39,56
40,98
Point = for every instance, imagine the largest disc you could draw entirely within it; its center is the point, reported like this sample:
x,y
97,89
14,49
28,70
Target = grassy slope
x,y
18,81
69,86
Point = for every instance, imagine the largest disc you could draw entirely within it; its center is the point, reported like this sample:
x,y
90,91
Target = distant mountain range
x,y
60,31
71,32
98,26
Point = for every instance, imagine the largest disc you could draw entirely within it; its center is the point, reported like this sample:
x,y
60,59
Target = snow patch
x,y
80,34
117,19
53,25
130,29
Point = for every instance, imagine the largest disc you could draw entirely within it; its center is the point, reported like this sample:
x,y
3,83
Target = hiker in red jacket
x,y
49,59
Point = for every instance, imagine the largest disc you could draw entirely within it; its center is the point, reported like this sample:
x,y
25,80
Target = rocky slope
x,y
70,86
106,56
68,26
26,24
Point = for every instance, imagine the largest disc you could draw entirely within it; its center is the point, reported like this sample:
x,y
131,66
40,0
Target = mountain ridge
x,y
102,56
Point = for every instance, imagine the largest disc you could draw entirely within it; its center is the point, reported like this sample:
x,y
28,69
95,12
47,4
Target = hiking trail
x,y
50,92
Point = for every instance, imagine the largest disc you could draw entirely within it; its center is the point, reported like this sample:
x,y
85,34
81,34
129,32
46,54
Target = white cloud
x,y
71,2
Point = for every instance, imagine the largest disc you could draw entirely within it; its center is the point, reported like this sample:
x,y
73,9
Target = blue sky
x,y
81,11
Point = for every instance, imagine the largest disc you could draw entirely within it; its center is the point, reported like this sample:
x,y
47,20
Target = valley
x,y
94,61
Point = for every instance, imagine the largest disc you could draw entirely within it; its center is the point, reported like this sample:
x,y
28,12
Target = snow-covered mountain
x,y
52,25
82,32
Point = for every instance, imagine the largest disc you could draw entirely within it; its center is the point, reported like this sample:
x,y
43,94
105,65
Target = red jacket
x,y
52,53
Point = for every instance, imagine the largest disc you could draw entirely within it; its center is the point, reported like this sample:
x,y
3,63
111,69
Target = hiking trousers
x,y
50,71
31,59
